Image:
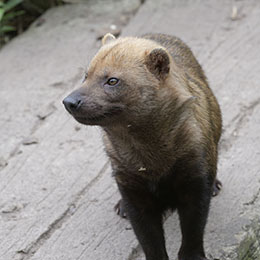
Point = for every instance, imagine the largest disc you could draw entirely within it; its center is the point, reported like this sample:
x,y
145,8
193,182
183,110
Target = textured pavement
x,y
56,190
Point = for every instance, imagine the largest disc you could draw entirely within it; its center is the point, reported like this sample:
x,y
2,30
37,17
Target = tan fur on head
x,y
163,95
119,56
108,38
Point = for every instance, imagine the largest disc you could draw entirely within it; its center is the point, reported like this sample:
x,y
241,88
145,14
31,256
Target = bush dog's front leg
x,y
146,221
193,213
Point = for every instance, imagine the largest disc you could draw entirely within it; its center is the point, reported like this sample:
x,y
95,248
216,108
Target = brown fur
x,y
183,114
162,126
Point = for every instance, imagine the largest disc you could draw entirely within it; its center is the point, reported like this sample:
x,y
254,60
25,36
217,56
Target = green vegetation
x,y
17,15
249,248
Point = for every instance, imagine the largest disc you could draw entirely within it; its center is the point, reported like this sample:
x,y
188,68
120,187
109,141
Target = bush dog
x,y
162,126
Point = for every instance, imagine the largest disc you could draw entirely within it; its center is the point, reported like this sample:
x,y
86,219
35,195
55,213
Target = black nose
x,y
72,103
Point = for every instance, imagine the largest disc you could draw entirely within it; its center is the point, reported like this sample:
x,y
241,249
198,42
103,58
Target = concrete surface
x,y
56,192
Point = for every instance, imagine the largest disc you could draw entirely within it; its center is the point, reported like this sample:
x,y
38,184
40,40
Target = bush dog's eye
x,y
112,81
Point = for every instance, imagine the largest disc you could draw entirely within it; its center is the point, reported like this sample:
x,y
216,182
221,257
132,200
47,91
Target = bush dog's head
x,y
122,82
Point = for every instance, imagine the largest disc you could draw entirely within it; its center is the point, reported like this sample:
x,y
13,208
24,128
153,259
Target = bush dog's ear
x,y
158,63
108,38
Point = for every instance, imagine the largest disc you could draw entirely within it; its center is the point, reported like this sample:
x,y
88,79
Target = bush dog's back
x,y
161,126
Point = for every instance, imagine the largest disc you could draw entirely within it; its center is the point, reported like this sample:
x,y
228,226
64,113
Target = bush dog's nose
x,y
72,103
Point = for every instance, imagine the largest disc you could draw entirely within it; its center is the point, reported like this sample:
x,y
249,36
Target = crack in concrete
x,y
240,117
237,123
254,199
31,249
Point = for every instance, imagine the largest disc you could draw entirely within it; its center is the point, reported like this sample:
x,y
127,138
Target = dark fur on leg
x,y
193,215
146,220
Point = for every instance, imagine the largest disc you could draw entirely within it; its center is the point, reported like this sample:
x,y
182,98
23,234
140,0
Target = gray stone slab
x,y
56,192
